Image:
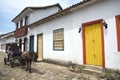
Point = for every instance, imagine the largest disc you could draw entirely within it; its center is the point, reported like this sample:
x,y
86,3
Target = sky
x,y
11,8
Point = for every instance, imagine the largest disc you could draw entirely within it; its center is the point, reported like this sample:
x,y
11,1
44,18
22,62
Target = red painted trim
x,y
102,37
84,49
92,22
118,31
83,39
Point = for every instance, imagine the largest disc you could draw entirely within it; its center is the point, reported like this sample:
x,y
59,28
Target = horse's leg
x,y
27,65
30,66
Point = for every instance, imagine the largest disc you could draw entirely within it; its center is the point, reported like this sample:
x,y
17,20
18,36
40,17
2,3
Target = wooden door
x,y
93,44
31,47
40,47
25,44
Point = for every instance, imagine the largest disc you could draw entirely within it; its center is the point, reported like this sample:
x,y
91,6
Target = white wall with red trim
x,y
73,47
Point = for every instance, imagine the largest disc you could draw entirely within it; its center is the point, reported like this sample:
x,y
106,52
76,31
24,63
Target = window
x,y
21,23
58,39
17,26
26,20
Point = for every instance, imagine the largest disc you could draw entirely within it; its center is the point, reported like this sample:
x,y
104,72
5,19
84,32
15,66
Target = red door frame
x,y
83,39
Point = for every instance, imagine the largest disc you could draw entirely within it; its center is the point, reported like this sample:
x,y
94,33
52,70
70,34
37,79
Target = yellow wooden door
x,y
93,44
40,47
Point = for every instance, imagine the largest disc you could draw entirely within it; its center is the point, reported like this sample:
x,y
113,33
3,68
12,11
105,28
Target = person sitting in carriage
x,y
15,50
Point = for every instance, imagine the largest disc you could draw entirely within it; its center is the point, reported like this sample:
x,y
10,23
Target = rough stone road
x,y
40,71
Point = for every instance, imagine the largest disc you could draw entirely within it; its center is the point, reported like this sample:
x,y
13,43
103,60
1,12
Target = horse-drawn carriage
x,y
13,55
12,60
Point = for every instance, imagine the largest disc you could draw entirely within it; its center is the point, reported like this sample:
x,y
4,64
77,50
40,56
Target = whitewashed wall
x,y
71,22
2,43
106,11
5,41
42,13
22,38
36,14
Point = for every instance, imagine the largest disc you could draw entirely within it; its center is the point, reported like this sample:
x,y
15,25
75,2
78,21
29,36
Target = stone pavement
x,y
40,71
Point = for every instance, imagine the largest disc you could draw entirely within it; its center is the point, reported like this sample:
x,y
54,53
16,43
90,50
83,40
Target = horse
x,y
28,57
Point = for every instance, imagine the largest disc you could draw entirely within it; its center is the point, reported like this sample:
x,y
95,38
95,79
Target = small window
x,y
21,23
17,26
26,20
58,39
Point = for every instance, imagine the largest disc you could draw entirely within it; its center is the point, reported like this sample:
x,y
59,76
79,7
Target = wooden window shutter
x,y
58,39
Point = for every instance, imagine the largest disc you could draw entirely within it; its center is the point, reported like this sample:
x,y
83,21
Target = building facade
x,y
87,33
5,40
27,17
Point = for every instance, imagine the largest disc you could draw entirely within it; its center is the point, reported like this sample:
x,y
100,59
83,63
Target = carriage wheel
x,y
11,63
5,61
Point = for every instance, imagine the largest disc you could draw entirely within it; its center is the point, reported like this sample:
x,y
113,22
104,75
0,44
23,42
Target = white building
x,y
6,39
56,37
87,33
29,16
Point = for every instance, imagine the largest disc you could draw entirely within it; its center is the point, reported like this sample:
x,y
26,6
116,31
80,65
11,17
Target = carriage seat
x,y
16,53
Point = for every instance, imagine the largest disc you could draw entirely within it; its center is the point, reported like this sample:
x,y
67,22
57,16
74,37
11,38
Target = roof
x,y
79,5
34,8
7,34
44,7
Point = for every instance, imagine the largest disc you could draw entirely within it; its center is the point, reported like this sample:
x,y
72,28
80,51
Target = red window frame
x,y
118,31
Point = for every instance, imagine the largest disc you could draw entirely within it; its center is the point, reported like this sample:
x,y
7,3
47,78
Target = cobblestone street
x,y
40,71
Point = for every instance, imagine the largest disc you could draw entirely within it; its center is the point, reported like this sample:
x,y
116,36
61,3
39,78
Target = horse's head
x,y
33,55
30,55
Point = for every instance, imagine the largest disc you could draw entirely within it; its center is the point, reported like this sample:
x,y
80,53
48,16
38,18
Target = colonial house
x,y
87,33
6,39
28,16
